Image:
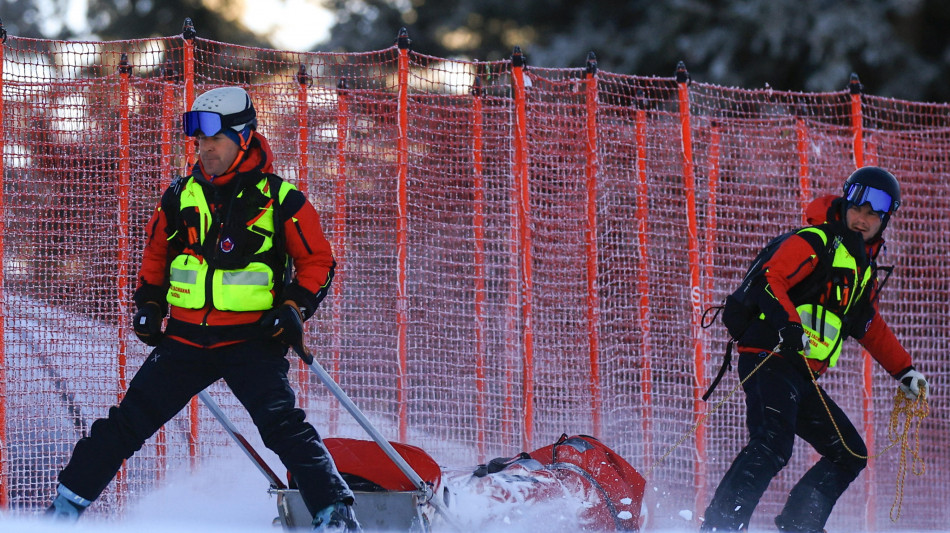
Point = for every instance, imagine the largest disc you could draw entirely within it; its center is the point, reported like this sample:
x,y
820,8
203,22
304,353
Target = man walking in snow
x,y
818,288
218,250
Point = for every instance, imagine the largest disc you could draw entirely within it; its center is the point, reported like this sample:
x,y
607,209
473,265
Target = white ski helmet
x,y
227,109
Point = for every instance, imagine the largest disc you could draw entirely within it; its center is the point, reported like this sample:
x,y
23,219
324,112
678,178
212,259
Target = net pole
x,y
402,237
4,475
479,223
695,298
524,225
122,274
857,122
593,302
867,374
712,226
339,234
643,284
166,169
188,52
303,156
804,170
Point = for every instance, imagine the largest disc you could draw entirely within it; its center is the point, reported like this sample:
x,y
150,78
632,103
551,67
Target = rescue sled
x,y
389,492
574,484
386,499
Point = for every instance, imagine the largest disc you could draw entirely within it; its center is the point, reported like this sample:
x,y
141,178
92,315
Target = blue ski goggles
x,y
862,194
210,123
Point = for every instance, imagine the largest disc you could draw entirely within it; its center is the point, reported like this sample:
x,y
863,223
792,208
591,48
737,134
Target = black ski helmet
x,y
875,186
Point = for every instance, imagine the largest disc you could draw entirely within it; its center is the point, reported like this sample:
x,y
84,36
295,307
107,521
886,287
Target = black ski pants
x,y
255,371
781,402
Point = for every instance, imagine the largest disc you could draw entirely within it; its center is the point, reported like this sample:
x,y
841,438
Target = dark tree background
x,y
899,48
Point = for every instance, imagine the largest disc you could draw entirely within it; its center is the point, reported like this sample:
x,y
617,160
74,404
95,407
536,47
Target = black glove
x,y
285,323
147,323
791,342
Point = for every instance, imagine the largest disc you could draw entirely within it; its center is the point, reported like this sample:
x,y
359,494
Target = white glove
x,y
913,383
806,343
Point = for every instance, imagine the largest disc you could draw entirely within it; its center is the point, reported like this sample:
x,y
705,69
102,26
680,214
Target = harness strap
x,y
726,365
498,464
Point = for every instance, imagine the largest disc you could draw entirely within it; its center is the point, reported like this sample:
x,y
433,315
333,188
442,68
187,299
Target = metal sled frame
x,y
384,510
376,511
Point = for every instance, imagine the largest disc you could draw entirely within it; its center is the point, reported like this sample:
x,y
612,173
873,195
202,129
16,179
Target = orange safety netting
x,y
523,252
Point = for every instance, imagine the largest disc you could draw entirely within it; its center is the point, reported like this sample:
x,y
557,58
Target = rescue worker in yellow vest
x,y
217,259
818,288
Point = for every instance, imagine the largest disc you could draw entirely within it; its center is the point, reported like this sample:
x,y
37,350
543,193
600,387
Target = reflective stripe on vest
x,y
248,289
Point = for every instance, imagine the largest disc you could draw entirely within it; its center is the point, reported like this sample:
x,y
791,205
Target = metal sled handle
x,y
235,434
341,395
387,448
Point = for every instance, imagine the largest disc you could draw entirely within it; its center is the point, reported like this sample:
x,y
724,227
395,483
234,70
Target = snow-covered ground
x,y
229,496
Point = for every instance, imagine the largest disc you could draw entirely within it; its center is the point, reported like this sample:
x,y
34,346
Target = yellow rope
x,y
915,411
704,417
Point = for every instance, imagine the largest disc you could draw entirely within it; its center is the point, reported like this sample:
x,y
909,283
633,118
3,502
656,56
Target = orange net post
x,y
304,81
643,314
523,206
593,300
122,256
188,64
4,479
339,230
478,221
402,234
695,296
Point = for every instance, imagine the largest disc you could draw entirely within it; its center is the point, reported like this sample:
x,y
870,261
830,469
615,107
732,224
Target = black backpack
x,y
739,309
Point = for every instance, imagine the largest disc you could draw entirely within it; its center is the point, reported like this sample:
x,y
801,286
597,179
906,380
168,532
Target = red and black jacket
x,y
795,264
302,240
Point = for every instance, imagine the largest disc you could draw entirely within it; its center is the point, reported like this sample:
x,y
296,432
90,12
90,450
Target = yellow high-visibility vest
x,y
823,326
195,282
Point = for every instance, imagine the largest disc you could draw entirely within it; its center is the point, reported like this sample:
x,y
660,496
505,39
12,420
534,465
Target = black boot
x,y
806,510
337,518
741,488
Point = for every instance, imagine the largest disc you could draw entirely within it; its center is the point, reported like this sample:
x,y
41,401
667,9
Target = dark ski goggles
x,y
862,194
210,123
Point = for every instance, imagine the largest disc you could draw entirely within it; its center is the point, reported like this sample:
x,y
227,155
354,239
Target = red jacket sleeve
x,y
154,268
791,263
884,347
309,249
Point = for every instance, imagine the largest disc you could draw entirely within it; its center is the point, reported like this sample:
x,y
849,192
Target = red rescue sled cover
x,y
575,484
366,460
